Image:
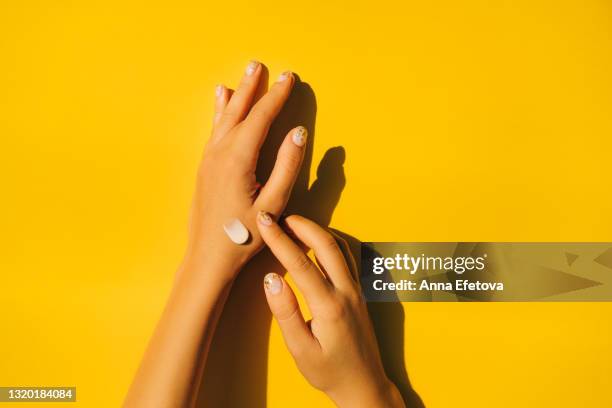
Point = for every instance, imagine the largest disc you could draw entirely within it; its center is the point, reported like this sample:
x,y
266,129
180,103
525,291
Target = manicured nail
x,y
299,136
284,76
273,283
251,68
219,90
264,218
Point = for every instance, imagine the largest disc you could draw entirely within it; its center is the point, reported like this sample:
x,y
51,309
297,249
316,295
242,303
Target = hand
x,y
337,351
226,184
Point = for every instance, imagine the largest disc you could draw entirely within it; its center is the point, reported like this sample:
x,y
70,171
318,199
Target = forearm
x,y
168,374
239,350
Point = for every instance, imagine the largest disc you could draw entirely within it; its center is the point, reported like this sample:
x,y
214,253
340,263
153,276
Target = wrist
x,y
216,261
384,395
210,269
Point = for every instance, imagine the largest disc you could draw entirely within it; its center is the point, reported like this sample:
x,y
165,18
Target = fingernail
x,y
284,76
219,90
264,218
251,68
273,283
299,136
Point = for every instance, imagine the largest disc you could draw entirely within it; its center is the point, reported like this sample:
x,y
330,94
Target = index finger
x,y
308,278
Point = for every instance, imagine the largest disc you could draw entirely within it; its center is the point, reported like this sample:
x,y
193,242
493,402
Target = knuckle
x,y
243,160
228,114
354,297
329,242
301,262
261,113
276,234
337,310
286,312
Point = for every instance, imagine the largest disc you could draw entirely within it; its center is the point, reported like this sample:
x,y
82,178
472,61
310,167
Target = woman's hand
x,y
337,350
226,186
170,370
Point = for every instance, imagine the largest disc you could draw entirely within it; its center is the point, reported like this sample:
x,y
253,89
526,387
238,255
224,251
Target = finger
x,y
286,311
326,249
275,193
240,102
262,85
222,96
348,255
265,111
307,276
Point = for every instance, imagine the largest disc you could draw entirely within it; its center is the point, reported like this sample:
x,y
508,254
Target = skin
x,y
226,188
336,351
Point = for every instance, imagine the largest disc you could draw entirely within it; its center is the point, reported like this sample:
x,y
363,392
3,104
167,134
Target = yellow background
x,y
471,120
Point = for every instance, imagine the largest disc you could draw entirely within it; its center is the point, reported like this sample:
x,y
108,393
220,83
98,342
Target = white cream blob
x,y
236,231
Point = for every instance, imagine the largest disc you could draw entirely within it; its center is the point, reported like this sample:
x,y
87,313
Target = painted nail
x,y
284,76
251,68
219,90
273,284
264,218
299,136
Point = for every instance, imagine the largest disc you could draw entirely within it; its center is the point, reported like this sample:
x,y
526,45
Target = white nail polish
x,y
250,69
236,231
282,77
273,283
299,136
219,90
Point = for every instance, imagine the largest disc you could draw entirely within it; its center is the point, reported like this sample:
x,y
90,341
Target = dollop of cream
x,y
236,231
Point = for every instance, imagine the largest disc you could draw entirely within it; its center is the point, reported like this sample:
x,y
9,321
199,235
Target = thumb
x,y
286,311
